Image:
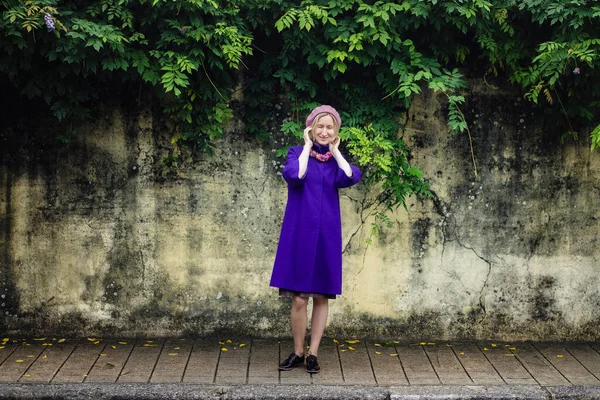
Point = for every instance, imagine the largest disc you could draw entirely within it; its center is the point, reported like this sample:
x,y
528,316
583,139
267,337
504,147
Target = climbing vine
x,y
368,58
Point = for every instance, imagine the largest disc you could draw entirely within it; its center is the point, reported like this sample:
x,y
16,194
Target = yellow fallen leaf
x,y
228,340
242,344
378,352
512,348
43,338
485,349
45,356
377,344
176,348
122,342
462,353
19,361
221,342
46,344
395,341
149,345
335,341
223,348
559,356
97,342
91,339
394,354
61,340
343,350
149,341
30,356
342,345
1,347
354,341
26,375
431,343
509,355
172,354
351,348
493,344
102,355
422,343
114,347
27,344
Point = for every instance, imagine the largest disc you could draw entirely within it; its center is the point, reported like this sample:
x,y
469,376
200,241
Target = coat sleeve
x,y
343,181
291,167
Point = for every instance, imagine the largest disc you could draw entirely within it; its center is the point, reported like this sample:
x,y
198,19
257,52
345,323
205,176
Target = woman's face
x,y
324,130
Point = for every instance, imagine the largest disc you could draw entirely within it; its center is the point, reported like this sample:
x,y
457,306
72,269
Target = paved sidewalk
x,y
212,368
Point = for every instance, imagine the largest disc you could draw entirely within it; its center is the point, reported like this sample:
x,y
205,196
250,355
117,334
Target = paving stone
x,y
508,366
20,359
297,375
566,364
202,364
264,359
329,360
388,369
356,365
480,370
233,364
108,368
7,346
417,367
141,361
80,361
448,368
536,364
46,366
172,361
587,356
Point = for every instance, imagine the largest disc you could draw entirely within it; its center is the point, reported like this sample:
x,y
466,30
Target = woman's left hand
x,y
335,145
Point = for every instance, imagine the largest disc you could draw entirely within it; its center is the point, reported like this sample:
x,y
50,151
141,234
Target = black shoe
x,y
312,365
292,362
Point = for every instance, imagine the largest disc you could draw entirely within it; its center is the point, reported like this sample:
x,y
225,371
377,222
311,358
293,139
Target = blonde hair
x,y
336,128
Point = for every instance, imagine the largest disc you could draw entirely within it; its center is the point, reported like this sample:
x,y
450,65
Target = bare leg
x,y
317,324
298,317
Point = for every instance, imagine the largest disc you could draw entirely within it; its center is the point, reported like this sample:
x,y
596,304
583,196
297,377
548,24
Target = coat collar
x,y
321,149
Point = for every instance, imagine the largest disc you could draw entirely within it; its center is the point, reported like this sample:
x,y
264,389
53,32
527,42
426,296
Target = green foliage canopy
x,y
369,58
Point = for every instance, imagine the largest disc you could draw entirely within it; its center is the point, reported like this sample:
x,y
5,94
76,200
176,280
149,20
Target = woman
x,y
309,256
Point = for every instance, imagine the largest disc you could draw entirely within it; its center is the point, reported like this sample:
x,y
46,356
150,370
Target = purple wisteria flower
x,y
576,71
49,21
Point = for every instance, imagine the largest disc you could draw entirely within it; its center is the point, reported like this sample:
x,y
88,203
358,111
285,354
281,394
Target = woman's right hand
x,y
307,141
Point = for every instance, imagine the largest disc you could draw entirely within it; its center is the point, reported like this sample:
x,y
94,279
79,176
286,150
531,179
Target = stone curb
x,y
160,391
498,392
574,392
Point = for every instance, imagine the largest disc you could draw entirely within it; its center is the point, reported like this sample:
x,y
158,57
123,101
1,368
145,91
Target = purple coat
x,y
309,255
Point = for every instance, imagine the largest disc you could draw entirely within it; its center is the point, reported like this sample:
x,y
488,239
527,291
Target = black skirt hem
x,y
291,293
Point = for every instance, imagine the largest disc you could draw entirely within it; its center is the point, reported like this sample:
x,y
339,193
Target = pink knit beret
x,y
320,110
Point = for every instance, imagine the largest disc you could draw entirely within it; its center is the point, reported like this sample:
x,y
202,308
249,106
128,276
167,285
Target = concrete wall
x,y
100,239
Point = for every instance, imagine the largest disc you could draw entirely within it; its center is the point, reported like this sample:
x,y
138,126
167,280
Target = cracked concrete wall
x,y
100,239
